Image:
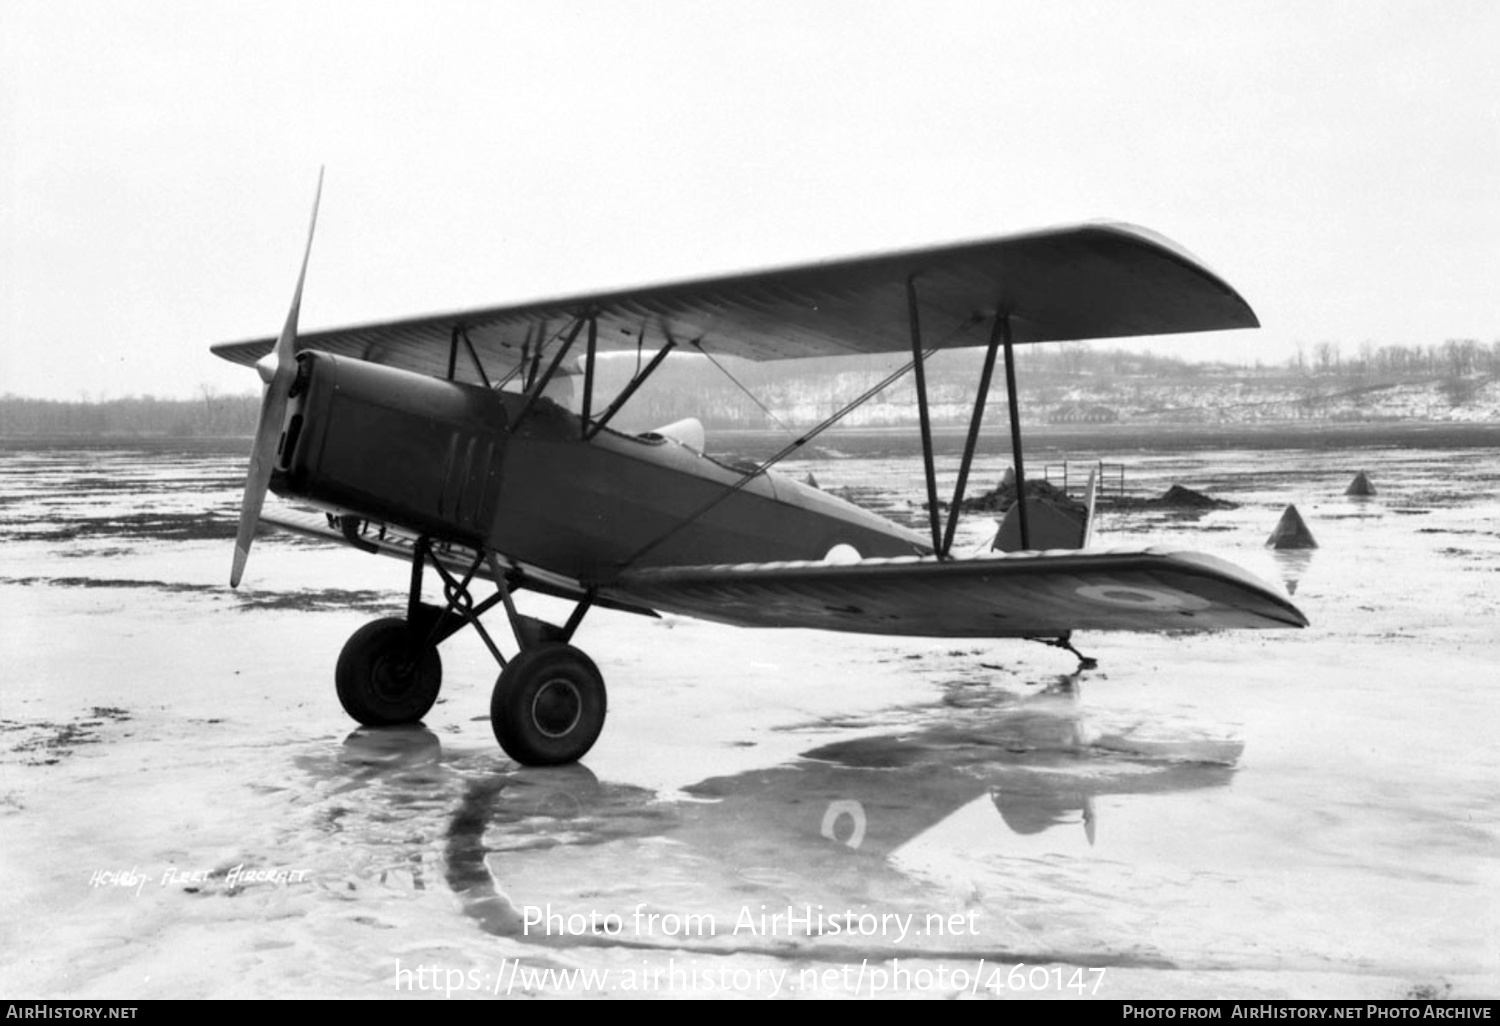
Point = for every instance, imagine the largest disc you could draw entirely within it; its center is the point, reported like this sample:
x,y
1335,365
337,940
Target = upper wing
x,y
997,595
1091,281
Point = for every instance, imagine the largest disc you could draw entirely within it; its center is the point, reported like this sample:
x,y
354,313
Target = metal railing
x,y
1075,474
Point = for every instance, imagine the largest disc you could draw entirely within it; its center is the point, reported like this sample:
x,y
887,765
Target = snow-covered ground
x,y
185,811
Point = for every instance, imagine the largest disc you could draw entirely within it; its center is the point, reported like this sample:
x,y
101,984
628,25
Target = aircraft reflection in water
x,y
1030,757
831,824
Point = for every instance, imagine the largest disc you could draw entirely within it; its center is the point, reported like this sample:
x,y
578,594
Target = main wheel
x,y
548,705
386,675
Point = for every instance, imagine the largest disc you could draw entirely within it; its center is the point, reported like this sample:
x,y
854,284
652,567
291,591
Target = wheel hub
x,y
392,676
557,707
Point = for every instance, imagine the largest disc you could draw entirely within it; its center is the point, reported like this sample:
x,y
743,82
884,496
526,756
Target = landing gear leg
x,y
548,706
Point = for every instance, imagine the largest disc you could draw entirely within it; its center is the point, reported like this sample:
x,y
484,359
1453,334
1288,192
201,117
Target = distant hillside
x,y
1204,395
1075,384
1458,382
1248,399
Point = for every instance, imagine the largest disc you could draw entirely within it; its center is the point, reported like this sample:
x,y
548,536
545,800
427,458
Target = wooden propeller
x,y
277,369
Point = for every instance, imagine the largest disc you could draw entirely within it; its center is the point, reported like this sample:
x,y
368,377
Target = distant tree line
x,y
1455,358
742,393
208,416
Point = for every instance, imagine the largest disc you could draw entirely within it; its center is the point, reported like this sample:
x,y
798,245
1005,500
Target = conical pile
x,y
1360,485
1291,532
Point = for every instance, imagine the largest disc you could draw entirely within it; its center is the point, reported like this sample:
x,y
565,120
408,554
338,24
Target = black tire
x,y
385,676
548,705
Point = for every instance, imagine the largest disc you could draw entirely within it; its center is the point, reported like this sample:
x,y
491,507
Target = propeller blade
x,y
258,478
277,369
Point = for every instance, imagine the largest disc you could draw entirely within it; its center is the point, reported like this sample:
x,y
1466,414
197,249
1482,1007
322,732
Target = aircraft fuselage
x,y
486,469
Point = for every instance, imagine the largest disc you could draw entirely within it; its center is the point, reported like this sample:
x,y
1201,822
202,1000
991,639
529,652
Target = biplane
x,y
474,446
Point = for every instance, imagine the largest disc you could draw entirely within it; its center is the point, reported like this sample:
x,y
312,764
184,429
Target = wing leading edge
x,y
996,595
1090,281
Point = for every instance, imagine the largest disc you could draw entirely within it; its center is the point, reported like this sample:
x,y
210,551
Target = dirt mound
x,y
1004,497
1176,497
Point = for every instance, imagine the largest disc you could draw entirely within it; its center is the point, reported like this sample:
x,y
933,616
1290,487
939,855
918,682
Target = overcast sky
x,y
1338,163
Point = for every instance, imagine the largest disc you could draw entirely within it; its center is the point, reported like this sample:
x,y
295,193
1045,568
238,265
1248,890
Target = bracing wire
x,y
698,345
792,447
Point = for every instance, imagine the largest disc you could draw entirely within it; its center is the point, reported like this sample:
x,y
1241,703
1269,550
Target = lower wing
x,y
994,595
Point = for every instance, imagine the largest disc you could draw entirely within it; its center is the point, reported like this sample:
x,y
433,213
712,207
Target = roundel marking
x,y
1131,596
841,809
